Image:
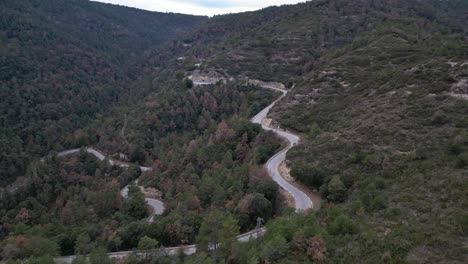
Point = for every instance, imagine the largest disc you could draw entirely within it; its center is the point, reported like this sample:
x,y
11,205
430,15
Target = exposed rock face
x,y
206,77
460,89
273,85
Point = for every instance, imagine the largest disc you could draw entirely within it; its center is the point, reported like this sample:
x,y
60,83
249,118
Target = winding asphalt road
x,y
99,155
302,201
157,205
170,251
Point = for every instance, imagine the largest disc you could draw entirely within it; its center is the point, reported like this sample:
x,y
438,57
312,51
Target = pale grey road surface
x,y
171,251
100,156
301,199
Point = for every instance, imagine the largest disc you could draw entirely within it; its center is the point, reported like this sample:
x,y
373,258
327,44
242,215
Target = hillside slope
x,y
378,94
279,43
380,91
64,61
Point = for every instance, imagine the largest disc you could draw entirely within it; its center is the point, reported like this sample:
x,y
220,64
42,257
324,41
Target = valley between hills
x,y
328,131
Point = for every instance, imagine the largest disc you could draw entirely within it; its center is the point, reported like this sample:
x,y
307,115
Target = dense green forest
x,y
62,62
377,93
205,154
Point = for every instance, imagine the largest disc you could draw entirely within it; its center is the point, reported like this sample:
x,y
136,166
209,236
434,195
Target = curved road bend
x,y
157,205
99,156
302,201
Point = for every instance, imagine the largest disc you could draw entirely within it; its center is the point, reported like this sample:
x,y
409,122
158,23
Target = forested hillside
x,y
64,61
281,43
377,92
380,100
205,155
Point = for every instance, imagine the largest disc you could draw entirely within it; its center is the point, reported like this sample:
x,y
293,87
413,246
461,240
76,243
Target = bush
x,y
38,246
99,256
80,260
308,174
132,233
275,249
188,83
269,189
40,260
336,189
137,154
373,199
463,224
314,130
146,243
261,207
135,205
342,225
462,161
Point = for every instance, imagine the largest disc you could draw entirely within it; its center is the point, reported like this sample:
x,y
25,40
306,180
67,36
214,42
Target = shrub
x,y
146,243
314,130
308,174
80,260
188,83
40,260
274,249
372,199
462,161
99,256
336,189
463,224
342,225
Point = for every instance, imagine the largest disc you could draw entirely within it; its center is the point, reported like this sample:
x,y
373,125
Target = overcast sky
x,y
201,7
